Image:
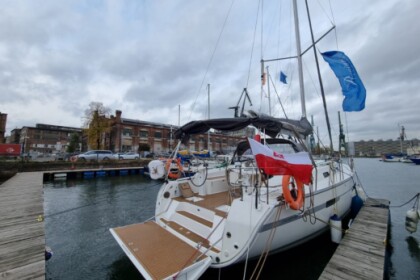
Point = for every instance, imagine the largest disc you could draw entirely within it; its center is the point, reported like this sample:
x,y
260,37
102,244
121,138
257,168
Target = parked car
x,y
129,155
150,155
69,156
96,155
59,156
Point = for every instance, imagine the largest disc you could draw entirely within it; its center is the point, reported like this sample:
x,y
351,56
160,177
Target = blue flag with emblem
x,y
283,77
353,89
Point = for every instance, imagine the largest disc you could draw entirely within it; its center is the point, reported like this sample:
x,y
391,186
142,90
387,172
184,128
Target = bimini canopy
x,y
271,126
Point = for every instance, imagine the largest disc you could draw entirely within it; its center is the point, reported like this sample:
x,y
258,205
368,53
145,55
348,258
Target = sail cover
x,y
271,126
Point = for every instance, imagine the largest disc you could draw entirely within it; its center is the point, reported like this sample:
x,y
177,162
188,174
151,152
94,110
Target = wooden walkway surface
x,y
22,234
361,253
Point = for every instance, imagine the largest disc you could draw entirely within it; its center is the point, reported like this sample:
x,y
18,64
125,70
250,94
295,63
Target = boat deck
x,y
141,240
213,201
172,254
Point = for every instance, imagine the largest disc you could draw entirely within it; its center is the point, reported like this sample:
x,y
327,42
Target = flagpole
x,y
268,91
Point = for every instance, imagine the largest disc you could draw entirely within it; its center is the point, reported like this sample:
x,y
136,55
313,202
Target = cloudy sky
x,y
152,58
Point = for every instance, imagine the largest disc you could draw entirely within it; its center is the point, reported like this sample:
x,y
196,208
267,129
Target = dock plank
x,y
22,233
361,253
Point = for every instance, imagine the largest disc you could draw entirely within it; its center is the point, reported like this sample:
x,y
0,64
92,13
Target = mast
x,y
179,115
342,137
208,114
299,57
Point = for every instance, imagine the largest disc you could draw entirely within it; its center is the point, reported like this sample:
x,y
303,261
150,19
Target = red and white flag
x,y
298,165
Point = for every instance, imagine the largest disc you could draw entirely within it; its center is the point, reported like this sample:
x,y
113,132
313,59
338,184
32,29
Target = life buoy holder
x,y
294,203
172,172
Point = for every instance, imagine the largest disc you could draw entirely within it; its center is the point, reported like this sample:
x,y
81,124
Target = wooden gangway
x,y
362,252
22,234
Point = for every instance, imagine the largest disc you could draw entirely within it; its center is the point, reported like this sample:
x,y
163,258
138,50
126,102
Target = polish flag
x,y
298,165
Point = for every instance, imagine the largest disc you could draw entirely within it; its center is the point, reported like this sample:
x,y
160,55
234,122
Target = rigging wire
x,y
262,53
326,14
278,97
333,21
253,44
211,58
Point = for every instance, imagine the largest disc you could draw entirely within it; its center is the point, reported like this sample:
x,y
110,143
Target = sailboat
x,y
271,197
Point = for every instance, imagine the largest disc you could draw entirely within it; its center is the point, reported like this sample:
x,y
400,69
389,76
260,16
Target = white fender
x,y
156,169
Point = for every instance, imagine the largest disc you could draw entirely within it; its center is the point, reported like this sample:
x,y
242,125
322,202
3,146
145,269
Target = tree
x,y
97,125
74,143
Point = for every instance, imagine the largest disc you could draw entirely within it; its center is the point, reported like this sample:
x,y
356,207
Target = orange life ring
x,y
294,203
173,173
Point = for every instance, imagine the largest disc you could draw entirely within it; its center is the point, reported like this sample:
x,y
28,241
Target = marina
x,y
264,194
79,212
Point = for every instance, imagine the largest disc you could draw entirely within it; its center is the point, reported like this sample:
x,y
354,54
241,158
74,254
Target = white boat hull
x,y
246,228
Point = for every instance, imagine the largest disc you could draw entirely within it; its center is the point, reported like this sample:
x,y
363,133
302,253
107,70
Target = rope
x,y
416,196
198,249
205,178
246,262
263,257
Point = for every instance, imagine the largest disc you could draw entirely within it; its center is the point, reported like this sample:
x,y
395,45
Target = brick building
x,y
129,134
3,120
44,138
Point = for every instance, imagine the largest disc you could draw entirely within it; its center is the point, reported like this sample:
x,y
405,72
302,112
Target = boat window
x,y
283,148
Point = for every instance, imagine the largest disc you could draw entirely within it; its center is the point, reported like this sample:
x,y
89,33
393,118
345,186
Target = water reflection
x,y
413,247
122,268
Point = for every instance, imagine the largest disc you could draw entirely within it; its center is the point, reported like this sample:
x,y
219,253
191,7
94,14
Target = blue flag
x,y
353,89
283,78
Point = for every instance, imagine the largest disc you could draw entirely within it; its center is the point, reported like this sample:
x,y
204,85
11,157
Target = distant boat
x,y
406,159
415,159
391,158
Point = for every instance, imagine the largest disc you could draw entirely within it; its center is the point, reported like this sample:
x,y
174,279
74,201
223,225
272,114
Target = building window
x,y
126,148
143,134
127,132
158,134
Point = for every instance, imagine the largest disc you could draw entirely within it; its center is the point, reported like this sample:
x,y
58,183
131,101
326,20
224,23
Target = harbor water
x,y
79,213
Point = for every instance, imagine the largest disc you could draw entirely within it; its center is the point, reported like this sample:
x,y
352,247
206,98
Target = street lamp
x,y
24,146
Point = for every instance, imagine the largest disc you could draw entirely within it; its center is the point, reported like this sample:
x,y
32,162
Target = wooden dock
x,y
361,253
22,234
